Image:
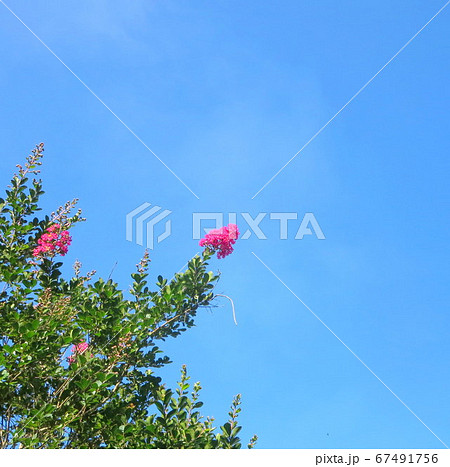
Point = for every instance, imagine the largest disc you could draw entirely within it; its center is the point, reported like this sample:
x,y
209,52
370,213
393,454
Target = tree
x,y
78,358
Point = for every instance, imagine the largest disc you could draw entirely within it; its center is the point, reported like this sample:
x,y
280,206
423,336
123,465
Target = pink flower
x,y
53,241
221,240
77,350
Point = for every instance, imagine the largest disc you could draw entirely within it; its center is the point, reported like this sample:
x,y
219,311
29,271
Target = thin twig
x,y
232,305
112,270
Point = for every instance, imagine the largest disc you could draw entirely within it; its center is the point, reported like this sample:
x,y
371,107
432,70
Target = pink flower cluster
x,y
54,241
77,350
221,240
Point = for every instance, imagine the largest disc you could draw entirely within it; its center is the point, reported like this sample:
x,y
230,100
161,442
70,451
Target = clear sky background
x,y
225,93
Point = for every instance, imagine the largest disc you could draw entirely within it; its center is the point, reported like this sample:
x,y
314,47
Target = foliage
x,y
107,393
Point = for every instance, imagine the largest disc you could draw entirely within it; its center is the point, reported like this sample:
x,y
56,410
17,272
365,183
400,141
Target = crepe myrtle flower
x,y
54,241
77,349
221,240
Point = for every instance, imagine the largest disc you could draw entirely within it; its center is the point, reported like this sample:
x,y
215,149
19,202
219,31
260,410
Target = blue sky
x,y
225,93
